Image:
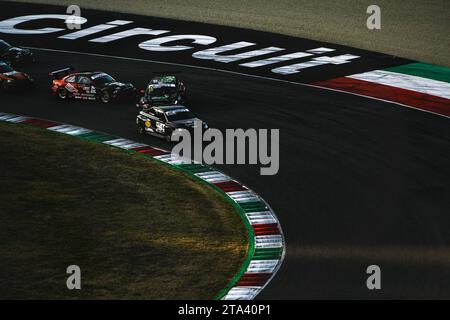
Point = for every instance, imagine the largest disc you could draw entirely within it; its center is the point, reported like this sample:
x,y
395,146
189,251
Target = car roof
x,y
89,74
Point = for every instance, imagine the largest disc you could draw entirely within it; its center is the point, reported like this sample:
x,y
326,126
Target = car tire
x,y
140,129
105,97
62,94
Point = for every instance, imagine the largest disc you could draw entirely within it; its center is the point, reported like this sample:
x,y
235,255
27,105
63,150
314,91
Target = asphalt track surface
x,y
361,181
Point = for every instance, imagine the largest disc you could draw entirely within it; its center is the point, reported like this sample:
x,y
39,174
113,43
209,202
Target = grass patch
x,y
136,228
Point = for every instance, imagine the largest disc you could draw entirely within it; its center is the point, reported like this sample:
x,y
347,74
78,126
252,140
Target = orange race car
x,y
11,80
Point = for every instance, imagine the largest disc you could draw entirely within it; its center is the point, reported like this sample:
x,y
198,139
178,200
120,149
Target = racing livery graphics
x,y
11,80
164,120
163,89
96,86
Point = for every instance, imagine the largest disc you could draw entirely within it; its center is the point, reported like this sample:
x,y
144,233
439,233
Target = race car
x,y
163,89
163,121
95,86
11,80
15,55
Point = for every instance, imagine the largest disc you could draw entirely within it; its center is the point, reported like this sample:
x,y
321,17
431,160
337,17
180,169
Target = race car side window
x,y
84,80
70,79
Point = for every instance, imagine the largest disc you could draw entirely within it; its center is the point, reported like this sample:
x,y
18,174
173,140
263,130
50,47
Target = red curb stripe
x,y
41,123
266,229
151,151
140,148
253,279
407,97
230,186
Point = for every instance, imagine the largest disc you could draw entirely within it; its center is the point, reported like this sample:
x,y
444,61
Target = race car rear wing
x,y
58,74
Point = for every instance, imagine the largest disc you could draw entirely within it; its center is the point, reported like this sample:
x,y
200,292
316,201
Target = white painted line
x,y
320,50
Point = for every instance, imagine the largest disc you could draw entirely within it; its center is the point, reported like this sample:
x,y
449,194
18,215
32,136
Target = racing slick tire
x,y
141,129
105,97
62,94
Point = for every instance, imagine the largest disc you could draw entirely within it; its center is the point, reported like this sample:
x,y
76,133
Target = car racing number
x,y
160,127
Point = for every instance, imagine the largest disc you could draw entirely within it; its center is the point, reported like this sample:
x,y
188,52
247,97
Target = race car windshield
x,y
4,46
180,115
162,91
104,78
4,68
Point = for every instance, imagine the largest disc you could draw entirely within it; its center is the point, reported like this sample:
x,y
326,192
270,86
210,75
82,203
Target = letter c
x,y
9,25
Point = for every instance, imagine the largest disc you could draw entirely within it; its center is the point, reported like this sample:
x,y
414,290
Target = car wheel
x,y
140,129
62,94
105,97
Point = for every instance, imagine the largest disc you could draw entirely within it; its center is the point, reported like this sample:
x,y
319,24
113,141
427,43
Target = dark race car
x,y
163,121
11,80
164,89
95,86
15,55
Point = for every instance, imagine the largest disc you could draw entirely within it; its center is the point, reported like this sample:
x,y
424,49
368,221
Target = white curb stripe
x,y
242,293
406,81
17,119
6,116
264,217
213,176
270,241
124,144
262,266
70,130
174,160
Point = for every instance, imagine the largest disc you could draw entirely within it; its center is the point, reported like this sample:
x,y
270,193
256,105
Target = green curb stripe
x,y
267,253
423,70
253,206
96,137
194,168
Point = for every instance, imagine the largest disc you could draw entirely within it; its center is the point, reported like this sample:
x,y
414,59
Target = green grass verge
x,y
137,229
